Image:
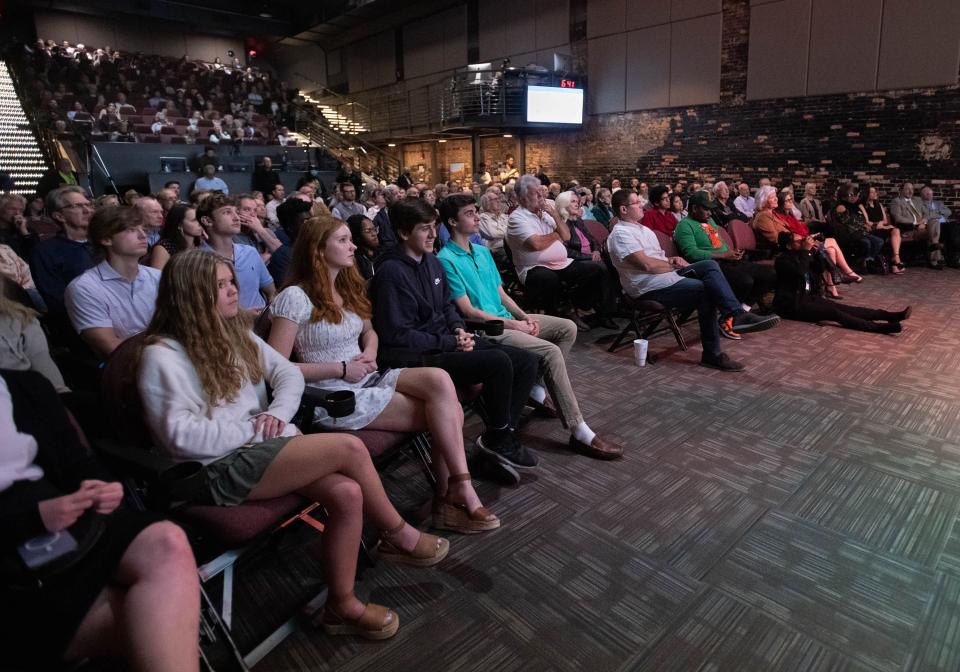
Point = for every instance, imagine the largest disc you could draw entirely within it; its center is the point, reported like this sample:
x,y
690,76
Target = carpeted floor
x,y
799,516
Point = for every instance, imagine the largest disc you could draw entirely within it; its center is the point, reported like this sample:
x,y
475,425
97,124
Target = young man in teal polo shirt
x,y
478,294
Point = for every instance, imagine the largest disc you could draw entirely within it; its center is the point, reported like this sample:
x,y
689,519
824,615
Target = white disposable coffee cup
x,y
640,351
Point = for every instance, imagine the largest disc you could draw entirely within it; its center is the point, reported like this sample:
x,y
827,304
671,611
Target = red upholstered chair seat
x,y
236,525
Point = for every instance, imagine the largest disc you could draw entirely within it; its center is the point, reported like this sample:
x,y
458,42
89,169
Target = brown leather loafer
x,y
544,409
598,448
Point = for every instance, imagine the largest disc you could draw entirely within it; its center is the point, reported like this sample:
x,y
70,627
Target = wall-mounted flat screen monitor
x,y
173,164
554,105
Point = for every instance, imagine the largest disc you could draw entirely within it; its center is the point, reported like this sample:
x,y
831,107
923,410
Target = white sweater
x,y
184,423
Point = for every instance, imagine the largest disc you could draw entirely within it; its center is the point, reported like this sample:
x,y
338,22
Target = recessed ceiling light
x,y
441,140
391,144
507,135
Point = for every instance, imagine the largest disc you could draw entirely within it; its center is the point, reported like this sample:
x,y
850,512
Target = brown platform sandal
x,y
452,516
371,624
430,549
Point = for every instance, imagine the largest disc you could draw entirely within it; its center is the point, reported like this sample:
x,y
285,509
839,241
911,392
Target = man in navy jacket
x,y
412,311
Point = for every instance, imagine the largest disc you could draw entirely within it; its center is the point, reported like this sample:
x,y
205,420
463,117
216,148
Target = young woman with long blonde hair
x,y
322,318
202,380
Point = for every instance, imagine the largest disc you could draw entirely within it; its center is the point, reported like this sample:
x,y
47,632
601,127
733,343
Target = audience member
x,y
879,225
202,382
478,294
602,209
348,204
509,171
115,299
811,209
645,271
412,309
949,231
363,232
14,231
723,207
264,178
537,238
581,246
151,215
910,214
797,296
17,272
209,181
218,216
253,229
277,195
56,262
386,232
181,231
23,345
167,198
493,224
130,590
848,224
698,238
292,214
678,206
659,217
323,318
744,202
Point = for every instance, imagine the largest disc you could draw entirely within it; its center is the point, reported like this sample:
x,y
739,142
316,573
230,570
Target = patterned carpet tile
x,y
881,510
866,604
721,634
909,455
938,649
791,419
751,464
591,597
918,413
678,518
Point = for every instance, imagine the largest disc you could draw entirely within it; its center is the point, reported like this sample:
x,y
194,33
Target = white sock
x,y
583,433
538,393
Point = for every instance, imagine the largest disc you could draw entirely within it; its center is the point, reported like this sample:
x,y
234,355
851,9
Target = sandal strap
x,y
394,530
374,617
427,546
458,478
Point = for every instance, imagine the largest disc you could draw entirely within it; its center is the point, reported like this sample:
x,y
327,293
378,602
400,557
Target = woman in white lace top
x,y
322,319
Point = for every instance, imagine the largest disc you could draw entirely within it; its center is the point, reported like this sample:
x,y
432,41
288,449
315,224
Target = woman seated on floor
x,y
798,293
774,216
128,588
321,318
202,381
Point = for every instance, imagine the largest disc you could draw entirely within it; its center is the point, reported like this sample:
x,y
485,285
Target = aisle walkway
x,y
800,516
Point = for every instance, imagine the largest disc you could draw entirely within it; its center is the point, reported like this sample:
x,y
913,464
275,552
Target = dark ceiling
x,y
271,19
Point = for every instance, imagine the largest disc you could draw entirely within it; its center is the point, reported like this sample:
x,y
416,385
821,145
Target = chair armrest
x,y
133,461
165,480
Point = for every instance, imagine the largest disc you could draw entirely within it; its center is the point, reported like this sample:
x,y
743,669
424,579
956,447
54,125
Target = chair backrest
x,y
597,230
666,243
743,236
120,396
725,237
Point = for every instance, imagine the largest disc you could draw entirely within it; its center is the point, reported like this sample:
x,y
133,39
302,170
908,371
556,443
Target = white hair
x,y
717,186
763,195
563,202
525,183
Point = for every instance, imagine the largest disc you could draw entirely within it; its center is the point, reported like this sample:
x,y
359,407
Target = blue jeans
x,y
703,287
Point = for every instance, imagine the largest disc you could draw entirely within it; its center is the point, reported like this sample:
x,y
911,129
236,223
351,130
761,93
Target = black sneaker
x,y
746,323
489,468
504,445
722,362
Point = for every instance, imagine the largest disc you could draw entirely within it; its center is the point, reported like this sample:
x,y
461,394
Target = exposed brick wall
x,y
886,138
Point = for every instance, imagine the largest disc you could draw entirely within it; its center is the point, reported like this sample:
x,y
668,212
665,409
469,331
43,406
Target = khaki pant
x,y
552,346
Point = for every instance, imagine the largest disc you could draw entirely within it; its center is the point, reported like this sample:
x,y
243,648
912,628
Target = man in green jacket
x,y
698,237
